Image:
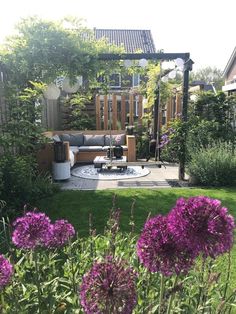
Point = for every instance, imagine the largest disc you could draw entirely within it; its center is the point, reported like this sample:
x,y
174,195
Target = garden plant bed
x,y
143,244
154,265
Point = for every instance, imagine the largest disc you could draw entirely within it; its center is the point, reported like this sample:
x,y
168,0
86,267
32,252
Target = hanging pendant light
x,y
51,92
143,63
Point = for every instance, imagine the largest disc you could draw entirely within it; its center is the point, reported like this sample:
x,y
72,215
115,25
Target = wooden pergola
x,y
160,57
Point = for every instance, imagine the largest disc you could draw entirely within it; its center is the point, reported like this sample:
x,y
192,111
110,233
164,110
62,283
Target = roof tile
x,y
132,40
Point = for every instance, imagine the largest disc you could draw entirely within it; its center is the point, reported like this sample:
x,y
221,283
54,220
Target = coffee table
x,y
103,162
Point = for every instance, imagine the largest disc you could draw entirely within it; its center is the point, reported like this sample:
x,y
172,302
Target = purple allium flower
x,y
31,230
6,271
205,225
159,251
109,287
62,231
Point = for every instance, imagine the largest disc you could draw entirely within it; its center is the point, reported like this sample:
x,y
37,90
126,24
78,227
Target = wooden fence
x,y
119,110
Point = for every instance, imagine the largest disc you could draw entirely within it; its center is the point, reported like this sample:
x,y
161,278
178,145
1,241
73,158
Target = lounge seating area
x,y
84,146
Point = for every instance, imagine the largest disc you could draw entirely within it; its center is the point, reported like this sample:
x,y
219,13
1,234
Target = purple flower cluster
x,y
166,137
6,271
198,225
62,231
205,225
32,230
109,287
159,251
36,230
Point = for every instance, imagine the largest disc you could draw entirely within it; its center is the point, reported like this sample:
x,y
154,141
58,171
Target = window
x,y
115,80
136,79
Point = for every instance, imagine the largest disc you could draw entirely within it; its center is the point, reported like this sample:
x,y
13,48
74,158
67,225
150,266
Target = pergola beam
x,y
137,56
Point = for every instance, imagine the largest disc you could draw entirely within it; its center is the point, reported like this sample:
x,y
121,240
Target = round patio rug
x,y
89,172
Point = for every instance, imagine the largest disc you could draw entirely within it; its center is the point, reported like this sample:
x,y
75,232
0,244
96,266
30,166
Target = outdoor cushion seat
x,y
90,148
84,146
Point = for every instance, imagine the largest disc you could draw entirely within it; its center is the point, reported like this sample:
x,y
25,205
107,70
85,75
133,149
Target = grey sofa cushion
x,y
73,139
118,139
90,148
65,137
94,140
76,139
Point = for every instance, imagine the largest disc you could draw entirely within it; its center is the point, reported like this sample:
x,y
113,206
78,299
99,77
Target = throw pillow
x,y
56,138
118,139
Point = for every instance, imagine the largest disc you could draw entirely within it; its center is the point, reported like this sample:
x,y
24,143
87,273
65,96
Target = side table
x,y
61,170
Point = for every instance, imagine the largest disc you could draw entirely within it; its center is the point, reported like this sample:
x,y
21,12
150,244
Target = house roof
x,y
131,39
230,62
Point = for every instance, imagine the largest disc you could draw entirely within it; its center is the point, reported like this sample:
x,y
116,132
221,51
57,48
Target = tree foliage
x,y
43,50
209,75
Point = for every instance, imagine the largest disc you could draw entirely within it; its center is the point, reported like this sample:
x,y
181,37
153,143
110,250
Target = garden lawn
x,y
76,206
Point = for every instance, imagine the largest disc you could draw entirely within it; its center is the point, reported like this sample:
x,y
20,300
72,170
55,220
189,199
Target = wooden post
x,y
114,112
168,111
131,109
123,112
160,119
178,104
98,113
105,113
130,141
140,110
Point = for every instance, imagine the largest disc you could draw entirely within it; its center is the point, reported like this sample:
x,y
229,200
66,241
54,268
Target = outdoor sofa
x,y
84,146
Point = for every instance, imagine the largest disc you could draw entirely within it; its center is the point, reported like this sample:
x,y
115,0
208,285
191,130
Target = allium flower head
x,y
205,225
62,231
159,251
31,230
6,271
109,287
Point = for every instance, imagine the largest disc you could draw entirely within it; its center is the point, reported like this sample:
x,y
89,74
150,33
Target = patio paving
x,y
164,177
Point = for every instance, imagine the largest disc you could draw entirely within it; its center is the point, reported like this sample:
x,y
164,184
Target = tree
x,y
209,75
44,50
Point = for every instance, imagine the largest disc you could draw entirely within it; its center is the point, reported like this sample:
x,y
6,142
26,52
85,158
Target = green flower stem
x,y
73,271
201,283
172,295
37,280
161,294
2,303
228,275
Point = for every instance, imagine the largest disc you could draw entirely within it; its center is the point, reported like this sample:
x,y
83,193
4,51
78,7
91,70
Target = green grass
x,y
76,206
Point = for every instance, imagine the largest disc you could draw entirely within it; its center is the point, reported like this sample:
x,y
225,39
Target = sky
x,y
204,28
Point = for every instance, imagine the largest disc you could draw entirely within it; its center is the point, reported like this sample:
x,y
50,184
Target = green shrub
x,y
20,183
203,133
171,151
143,145
214,165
